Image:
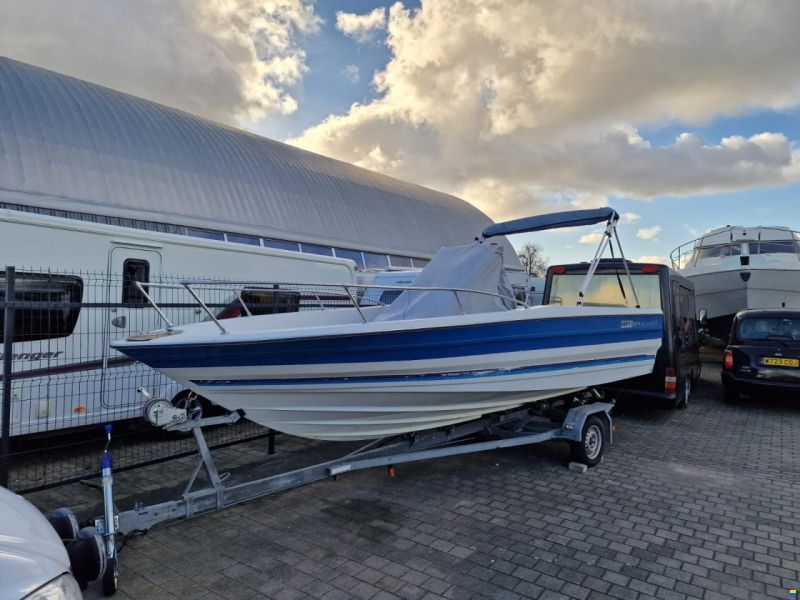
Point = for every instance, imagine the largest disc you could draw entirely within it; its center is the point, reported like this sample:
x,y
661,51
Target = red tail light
x,y
560,270
670,381
650,269
727,361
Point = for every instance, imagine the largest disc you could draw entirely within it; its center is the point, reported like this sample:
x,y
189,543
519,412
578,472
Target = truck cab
x,y
677,365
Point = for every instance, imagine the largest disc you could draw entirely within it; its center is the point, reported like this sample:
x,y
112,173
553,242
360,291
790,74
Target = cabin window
x,y
317,249
243,239
206,234
262,302
721,251
354,255
60,296
281,245
133,270
400,261
421,263
780,247
375,261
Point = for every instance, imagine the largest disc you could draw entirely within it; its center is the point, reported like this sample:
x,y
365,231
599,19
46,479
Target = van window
x,y
48,322
262,302
684,314
133,270
604,290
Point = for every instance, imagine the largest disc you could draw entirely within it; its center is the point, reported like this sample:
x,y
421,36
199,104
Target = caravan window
x,y
605,289
134,270
60,297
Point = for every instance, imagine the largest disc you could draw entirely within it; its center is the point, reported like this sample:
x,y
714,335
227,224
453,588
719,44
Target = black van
x,y
677,366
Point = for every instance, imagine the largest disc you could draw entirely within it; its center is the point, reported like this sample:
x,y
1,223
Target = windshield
x,y
780,247
769,328
604,290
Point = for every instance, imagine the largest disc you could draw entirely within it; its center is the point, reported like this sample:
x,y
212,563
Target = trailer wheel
x,y
589,450
110,577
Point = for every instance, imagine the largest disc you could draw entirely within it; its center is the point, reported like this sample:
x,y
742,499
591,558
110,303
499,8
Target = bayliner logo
x,y
631,324
32,355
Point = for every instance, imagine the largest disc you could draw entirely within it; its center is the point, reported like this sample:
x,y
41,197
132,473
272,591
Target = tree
x,y
532,260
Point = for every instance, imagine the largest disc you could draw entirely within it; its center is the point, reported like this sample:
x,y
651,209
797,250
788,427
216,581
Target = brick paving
x,y
701,503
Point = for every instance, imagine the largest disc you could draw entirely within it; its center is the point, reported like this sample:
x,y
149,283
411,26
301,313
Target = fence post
x,y
8,346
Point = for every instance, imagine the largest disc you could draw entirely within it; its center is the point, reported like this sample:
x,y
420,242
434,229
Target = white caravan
x,y
735,268
65,373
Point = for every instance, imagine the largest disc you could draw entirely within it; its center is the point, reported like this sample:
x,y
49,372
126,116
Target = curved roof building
x,y
69,145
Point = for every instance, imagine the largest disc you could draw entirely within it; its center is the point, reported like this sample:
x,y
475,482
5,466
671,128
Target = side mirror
x,y
703,317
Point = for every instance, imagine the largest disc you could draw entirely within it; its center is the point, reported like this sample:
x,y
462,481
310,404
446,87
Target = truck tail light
x,y
727,361
670,381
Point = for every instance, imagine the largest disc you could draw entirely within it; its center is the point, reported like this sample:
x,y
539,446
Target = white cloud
x,y
551,109
362,28
591,238
629,217
653,259
648,233
228,60
352,73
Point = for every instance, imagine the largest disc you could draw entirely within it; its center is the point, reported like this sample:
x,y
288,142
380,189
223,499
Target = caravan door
x,y
128,312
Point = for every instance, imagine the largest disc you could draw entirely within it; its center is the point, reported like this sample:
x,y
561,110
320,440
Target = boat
x,y
451,348
735,268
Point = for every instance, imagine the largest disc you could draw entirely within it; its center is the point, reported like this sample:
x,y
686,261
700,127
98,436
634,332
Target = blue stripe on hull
x,y
417,344
422,377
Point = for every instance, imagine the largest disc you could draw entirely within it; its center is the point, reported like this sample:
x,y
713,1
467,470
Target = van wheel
x,y
589,450
684,393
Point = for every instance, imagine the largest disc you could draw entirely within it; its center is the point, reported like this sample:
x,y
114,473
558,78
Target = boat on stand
x,y
735,268
451,348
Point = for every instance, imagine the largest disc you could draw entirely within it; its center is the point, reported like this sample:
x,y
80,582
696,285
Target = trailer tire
x,y
110,577
589,450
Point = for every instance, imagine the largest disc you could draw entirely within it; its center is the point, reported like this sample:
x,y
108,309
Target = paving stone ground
x,y
701,503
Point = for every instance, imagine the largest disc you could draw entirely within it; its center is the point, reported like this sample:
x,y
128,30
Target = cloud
x,y
629,217
229,60
545,101
361,28
352,73
648,233
591,238
653,259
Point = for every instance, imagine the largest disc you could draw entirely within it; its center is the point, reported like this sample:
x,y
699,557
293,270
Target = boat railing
x,y
323,296
681,256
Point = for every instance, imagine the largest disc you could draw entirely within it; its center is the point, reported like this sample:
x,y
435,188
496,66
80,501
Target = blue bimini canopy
x,y
569,218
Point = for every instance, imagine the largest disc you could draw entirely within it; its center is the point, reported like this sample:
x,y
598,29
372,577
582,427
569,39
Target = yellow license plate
x,y
772,361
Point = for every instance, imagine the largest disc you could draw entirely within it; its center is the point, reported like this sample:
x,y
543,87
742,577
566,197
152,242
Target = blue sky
x,y
325,90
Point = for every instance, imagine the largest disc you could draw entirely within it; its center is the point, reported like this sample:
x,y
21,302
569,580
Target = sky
x,y
684,115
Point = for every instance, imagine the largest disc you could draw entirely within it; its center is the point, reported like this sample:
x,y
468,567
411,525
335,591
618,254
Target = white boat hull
x,y
352,380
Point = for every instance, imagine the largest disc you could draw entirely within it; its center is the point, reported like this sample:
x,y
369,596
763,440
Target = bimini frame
x,y
572,218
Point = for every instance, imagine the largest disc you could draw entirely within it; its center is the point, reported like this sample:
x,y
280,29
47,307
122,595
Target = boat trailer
x,y
583,421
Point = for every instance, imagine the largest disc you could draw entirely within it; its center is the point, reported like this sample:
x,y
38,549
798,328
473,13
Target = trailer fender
x,y
572,427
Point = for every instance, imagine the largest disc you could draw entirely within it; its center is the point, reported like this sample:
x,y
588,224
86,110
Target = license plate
x,y
772,361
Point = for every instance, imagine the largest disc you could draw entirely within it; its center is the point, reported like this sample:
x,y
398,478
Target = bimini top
x,y
570,218
70,145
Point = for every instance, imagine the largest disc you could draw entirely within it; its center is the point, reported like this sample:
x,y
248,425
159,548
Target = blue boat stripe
x,y
424,376
414,344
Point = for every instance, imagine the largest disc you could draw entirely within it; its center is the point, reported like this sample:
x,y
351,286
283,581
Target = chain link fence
x,y
62,380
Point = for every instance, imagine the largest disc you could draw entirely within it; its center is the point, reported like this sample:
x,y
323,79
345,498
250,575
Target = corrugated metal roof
x,y
72,145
